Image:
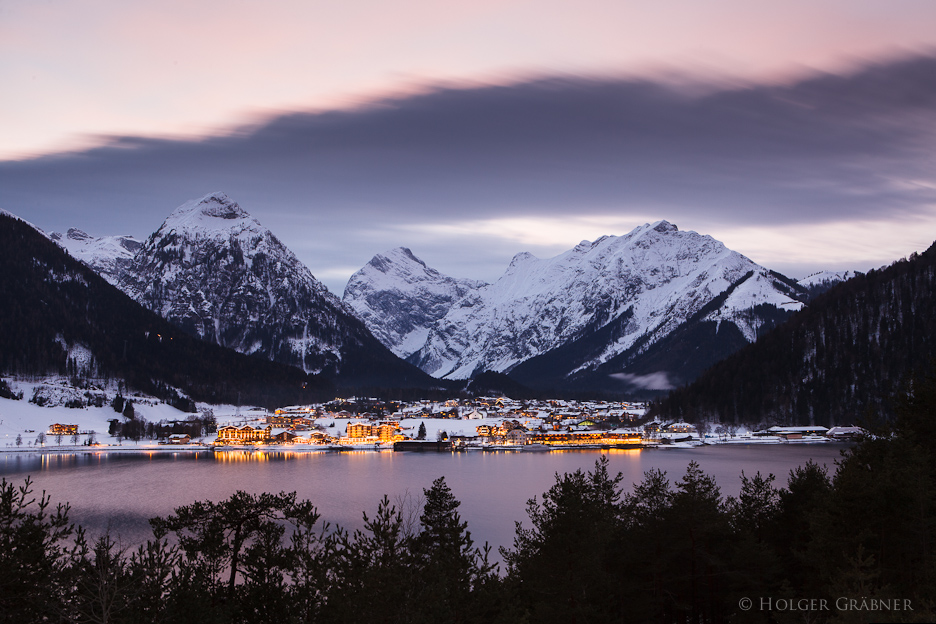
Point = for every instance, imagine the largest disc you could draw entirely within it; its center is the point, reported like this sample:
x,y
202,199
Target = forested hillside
x,y
59,316
837,361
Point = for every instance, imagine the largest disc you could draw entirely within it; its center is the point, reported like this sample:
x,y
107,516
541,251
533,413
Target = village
x,y
484,423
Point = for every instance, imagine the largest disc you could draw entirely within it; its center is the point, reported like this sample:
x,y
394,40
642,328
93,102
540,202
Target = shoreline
x,y
196,448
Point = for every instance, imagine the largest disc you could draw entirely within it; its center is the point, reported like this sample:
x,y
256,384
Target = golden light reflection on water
x,y
233,456
578,449
236,456
54,461
623,451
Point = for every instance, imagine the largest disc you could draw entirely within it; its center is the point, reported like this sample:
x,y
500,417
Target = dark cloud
x,y
826,148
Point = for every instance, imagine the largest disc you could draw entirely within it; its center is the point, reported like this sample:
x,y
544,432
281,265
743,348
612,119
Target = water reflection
x,y
235,456
58,460
622,451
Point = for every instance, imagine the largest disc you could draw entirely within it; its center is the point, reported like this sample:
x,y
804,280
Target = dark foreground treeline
x,y
861,538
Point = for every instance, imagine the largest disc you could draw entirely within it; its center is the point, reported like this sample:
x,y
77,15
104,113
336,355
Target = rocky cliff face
x,y
399,298
638,288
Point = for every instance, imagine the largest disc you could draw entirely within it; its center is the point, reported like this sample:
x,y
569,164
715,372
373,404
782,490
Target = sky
x,y
800,134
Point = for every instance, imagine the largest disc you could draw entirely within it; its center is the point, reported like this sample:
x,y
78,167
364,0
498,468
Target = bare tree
x,y
411,507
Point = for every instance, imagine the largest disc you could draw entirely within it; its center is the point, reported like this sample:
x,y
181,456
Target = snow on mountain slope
x,y
216,272
107,255
761,288
823,277
398,297
650,281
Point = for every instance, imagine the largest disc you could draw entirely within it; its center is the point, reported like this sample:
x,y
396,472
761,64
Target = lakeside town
x,y
475,424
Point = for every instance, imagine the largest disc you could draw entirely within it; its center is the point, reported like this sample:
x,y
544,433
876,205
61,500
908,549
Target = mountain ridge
x,y
647,282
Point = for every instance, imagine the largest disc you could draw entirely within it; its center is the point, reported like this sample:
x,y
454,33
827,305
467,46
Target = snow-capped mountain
x,y
626,292
60,318
109,256
215,271
399,298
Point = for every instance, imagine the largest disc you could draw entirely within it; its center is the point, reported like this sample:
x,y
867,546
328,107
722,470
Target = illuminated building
x,y
243,435
58,429
358,430
381,432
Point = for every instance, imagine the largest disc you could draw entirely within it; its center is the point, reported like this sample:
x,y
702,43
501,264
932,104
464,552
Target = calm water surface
x,y
121,491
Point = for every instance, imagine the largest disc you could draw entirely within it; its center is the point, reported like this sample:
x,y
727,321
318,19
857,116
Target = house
x,y
515,436
291,421
179,438
282,436
319,437
681,427
314,437
59,429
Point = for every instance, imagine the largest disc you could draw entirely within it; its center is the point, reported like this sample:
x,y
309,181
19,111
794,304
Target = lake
x,y
119,492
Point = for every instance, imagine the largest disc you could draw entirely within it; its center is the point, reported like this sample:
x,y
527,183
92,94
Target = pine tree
x,y
36,547
448,562
564,566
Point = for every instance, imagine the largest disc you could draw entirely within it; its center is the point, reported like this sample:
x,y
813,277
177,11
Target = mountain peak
x,y
664,226
221,206
521,258
77,235
389,260
215,211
